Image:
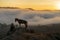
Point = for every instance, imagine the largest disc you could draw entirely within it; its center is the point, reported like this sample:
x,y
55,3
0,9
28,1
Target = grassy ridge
x,y
39,32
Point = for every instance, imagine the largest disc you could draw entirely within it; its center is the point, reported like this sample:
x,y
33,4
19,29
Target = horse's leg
x,y
19,25
25,25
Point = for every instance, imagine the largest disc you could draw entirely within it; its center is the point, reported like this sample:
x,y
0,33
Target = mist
x,y
33,17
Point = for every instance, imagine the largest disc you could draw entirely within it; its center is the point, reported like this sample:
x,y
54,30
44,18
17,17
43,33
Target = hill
x,y
43,32
9,7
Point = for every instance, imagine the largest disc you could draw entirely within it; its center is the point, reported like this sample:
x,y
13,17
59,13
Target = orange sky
x,y
35,4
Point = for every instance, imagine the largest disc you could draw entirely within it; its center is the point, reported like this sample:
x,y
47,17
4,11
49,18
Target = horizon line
x,y
28,8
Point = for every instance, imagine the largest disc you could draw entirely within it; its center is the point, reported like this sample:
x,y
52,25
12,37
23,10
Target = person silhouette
x,y
12,29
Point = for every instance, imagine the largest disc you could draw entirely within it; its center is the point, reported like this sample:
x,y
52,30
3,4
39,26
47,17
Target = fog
x,y
33,17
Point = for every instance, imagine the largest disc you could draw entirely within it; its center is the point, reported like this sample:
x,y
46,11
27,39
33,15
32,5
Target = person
x,y
12,29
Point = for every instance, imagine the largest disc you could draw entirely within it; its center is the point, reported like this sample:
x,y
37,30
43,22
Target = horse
x,y
20,21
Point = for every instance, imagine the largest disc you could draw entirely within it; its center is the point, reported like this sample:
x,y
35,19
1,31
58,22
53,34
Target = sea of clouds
x,y
33,17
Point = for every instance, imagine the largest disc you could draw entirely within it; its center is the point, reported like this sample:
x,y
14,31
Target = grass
x,y
39,32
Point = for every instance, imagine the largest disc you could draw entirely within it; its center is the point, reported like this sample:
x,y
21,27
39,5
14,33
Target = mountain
x,y
9,7
29,9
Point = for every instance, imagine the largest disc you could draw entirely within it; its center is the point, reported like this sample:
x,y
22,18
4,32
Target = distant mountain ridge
x,y
9,7
30,9
26,9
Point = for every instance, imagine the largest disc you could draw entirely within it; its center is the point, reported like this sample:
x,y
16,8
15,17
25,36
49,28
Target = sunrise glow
x,y
35,4
57,5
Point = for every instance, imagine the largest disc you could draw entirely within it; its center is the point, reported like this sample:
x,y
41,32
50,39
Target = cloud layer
x,y
33,17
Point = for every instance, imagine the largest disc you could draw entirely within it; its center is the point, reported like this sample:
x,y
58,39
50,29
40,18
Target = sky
x,y
35,4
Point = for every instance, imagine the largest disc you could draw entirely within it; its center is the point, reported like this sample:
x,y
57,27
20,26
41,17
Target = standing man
x,y
12,29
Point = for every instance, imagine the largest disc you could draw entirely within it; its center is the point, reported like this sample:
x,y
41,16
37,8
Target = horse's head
x,y
16,19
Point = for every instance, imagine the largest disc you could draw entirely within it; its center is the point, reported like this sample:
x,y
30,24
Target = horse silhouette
x,y
20,21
